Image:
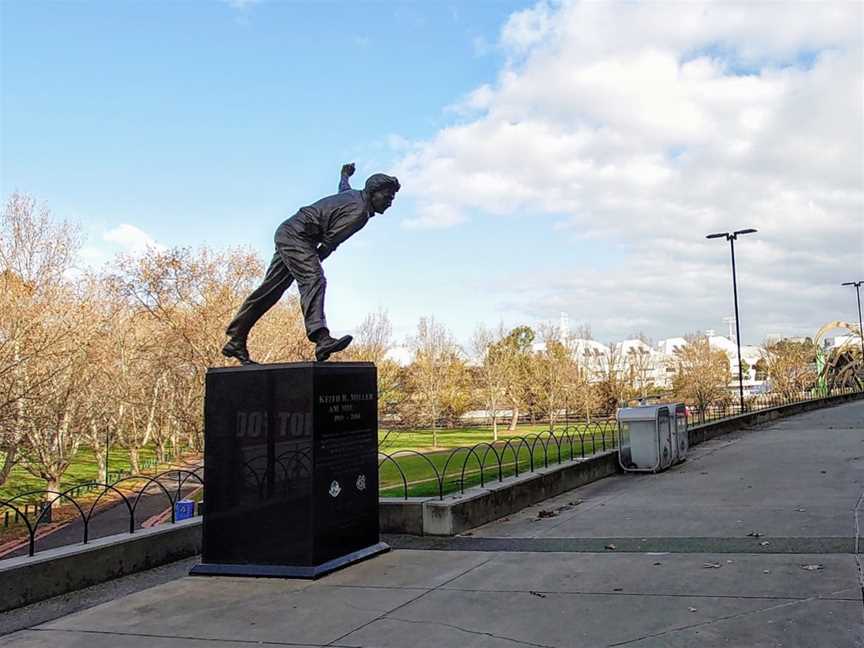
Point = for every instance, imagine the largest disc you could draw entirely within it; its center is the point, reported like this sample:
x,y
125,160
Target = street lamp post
x,y
857,285
731,238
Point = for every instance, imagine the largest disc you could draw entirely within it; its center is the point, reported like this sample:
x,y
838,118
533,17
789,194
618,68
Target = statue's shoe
x,y
328,346
236,349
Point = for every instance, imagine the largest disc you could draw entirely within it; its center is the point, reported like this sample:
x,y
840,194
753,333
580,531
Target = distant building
x,y
401,355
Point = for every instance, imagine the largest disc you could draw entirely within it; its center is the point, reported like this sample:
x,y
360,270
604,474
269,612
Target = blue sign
x,y
184,509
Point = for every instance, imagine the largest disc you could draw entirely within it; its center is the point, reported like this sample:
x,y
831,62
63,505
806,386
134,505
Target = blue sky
x,y
197,117
534,160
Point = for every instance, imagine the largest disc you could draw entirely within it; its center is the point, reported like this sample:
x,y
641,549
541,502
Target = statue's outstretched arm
x,y
347,172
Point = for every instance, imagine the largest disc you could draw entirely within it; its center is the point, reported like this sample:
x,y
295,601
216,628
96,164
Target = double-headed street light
x,y
857,285
731,238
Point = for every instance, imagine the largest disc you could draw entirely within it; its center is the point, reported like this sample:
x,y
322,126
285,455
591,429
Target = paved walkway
x,y
660,561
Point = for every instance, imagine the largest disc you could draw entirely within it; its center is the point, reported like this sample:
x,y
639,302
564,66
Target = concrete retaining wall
x,y
479,505
59,571
703,432
53,572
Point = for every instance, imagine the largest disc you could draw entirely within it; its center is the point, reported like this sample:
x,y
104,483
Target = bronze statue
x,y
302,243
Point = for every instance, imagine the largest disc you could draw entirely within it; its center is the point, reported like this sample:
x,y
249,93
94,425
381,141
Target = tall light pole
x,y
731,238
857,285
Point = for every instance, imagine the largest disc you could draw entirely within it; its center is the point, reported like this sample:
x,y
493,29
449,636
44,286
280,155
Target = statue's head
x,y
381,190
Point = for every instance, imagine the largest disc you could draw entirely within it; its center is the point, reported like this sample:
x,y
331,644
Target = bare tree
x,y
551,373
791,366
36,254
457,396
640,366
611,381
518,347
54,420
280,336
494,371
434,352
702,374
372,342
190,296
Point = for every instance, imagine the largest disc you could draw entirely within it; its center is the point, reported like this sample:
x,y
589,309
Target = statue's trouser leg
x,y
305,266
275,283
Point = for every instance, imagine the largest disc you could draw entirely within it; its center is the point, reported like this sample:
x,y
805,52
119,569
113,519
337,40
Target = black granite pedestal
x,y
290,469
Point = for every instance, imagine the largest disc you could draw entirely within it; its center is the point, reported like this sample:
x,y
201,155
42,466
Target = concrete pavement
x,y
641,561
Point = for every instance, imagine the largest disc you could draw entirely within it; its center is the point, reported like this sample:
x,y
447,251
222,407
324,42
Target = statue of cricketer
x,y
302,243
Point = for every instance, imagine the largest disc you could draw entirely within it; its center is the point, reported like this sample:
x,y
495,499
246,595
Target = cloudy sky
x,y
554,156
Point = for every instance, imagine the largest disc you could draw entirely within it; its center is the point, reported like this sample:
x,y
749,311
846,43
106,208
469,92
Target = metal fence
x,y
408,473
403,473
757,403
128,492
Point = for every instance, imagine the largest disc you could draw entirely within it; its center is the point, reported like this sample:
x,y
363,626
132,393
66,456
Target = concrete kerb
x,y
59,571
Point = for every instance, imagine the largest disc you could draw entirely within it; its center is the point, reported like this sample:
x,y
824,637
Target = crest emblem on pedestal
x,y
361,482
335,489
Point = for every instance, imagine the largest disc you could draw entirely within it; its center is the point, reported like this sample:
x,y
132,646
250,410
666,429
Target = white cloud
x,y
528,28
130,239
434,216
649,125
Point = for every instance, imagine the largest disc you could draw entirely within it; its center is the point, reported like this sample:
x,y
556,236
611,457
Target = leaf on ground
x,y
545,513
711,565
815,567
692,609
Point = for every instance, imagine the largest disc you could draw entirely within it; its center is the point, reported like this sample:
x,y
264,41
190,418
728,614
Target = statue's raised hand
x,y
348,169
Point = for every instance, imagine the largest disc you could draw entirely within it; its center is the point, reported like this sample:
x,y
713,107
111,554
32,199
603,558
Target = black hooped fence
x,y
168,484
455,469
402,473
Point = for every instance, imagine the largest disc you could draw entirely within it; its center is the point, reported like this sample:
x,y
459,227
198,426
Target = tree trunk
x,y
135,460
102,464
174,439
494,426
161,451
514,420
10,458
53,484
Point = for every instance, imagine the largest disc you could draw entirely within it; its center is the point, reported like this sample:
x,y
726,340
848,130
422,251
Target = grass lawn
x,y
394,440
83,469
423,479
